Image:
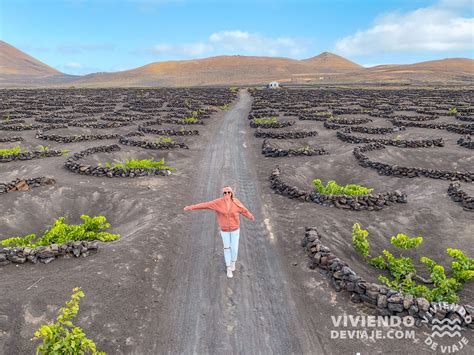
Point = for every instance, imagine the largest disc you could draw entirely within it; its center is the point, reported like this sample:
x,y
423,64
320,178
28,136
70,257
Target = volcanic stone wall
x,y
369,202
386,301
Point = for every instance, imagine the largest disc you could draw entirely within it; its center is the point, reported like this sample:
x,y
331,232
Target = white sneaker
x,y
229,272
232,266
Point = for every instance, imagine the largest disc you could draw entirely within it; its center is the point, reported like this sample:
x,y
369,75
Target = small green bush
x,y
161,139
265,120
143,164
224,107
10,151
404,274
359,240
93,228
453,111
191,119
63,337
332,188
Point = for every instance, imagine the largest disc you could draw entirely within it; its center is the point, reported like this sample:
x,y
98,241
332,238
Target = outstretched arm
x,y
246,213
211,205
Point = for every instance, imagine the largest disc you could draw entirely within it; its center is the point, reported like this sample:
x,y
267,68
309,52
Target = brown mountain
x,y
19,69
15,62
226,70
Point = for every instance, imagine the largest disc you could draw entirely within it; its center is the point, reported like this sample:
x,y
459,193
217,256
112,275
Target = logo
x,y
446,334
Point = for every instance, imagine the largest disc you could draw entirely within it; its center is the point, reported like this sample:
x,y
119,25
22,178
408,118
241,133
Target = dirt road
x,y
254,311
162,287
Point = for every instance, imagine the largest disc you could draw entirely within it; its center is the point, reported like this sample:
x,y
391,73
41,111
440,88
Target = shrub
x,y
403,271
266,120
93,228
10,151
332,188
453,111
359,240
63,337
224,107
233,89
191,119
402,241
143,164
161,139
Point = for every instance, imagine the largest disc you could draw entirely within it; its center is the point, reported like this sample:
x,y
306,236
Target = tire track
x,y
204,312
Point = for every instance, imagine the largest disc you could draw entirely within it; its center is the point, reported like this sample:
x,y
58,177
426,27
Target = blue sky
x,y
81,36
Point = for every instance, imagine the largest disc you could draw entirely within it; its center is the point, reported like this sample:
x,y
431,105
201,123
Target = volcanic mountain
x,y
21,70
16,62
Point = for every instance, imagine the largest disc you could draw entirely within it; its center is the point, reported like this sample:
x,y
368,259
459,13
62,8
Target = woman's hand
x,y
187,208
252,218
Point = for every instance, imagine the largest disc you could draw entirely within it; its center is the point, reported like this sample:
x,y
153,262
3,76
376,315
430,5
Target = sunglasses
x,y
227,192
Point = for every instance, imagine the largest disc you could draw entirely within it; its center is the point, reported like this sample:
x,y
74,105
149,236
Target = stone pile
x,y
349,121
29,127
11,139
98,125
400,171
152,145
25,184
425,143
30,155
466,142
169,132
372,130
74,138
386,301
182,122
456,128
284,135
369,202
270,151
46,254
73,165
458,195
281,124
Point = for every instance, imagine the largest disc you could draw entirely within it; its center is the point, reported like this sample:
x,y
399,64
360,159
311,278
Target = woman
x,y
228,209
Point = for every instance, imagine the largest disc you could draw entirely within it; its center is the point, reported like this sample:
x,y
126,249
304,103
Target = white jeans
x,y
231,245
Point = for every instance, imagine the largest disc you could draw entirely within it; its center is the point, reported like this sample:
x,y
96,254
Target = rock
x,y
22,186
408,301
413,310
397,298
17,259
395,307
46,260
32,259
423,304
382,301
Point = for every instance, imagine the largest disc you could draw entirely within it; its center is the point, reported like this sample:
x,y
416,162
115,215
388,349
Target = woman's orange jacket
x,y
228,218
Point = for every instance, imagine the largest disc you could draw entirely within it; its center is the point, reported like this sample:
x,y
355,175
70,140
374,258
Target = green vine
x,y
63,337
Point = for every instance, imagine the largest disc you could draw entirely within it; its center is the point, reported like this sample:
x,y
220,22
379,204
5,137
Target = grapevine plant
x,y
10,151
63,337
403,273
141,164
266,120
333,188
93,228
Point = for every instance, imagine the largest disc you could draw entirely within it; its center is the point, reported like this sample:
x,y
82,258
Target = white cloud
x,y
234,42
436,28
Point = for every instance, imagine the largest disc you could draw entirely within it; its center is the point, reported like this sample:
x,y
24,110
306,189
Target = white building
x,y
273,85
